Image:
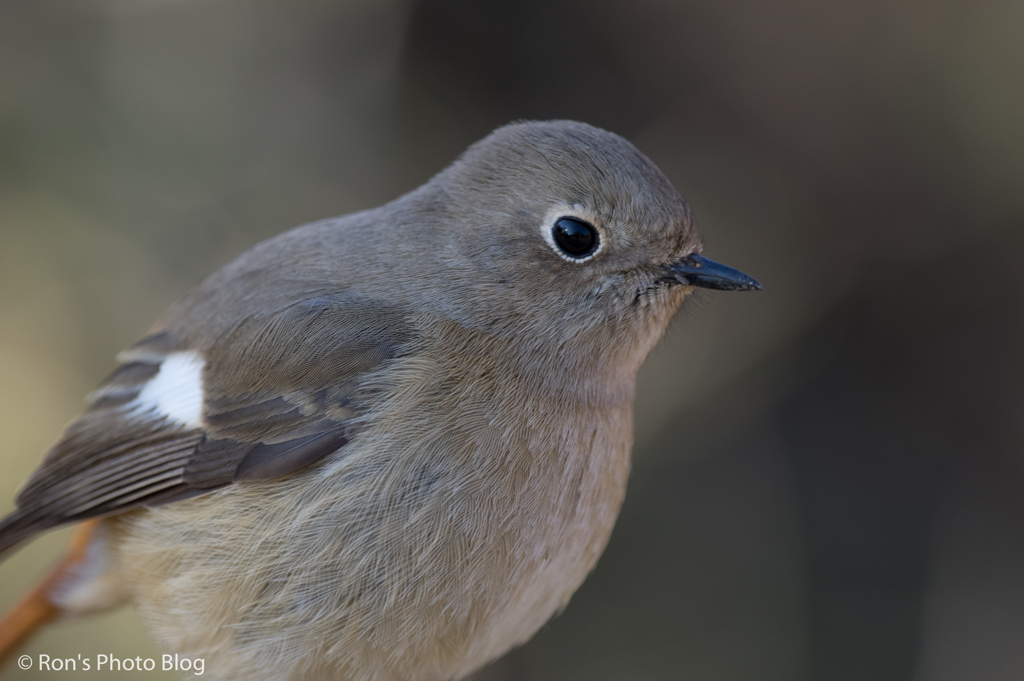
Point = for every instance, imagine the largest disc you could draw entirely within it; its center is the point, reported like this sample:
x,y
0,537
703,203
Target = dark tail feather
x,y
21,525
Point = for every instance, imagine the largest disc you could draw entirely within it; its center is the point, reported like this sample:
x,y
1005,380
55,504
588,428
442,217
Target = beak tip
x,y
696,270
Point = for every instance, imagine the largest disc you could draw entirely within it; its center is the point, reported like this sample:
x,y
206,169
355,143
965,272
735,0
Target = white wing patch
x,y
176,392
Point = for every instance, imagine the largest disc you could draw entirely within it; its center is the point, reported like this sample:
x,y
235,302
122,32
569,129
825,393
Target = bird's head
x,y
560,231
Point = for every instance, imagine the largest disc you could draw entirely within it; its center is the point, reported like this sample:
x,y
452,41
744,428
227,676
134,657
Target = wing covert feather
x,y
278,391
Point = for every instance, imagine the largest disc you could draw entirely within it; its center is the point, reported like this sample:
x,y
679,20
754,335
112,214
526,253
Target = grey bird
x,y
387,446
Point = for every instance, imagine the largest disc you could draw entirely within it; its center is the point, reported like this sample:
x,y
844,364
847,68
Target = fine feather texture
x,y
168,425
175,392
415,421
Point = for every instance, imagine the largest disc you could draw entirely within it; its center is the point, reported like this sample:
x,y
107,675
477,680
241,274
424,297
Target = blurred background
x,y
829,475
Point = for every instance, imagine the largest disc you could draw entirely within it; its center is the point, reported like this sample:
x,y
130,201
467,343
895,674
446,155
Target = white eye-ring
x,y
571,233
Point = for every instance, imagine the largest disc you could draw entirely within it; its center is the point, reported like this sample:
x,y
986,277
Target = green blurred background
x,y
828,475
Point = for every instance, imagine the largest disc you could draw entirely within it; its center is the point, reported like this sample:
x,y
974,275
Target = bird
x,y
385,446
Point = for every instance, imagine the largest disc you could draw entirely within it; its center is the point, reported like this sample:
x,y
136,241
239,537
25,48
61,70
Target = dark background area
x,y
828,475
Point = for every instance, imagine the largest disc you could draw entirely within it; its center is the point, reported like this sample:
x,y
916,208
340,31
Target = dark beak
x,y
696,270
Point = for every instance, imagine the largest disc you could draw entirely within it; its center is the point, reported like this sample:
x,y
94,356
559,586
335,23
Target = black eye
x,y
575,237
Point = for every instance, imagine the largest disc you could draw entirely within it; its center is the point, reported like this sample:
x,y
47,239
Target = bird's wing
x,y
265,397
